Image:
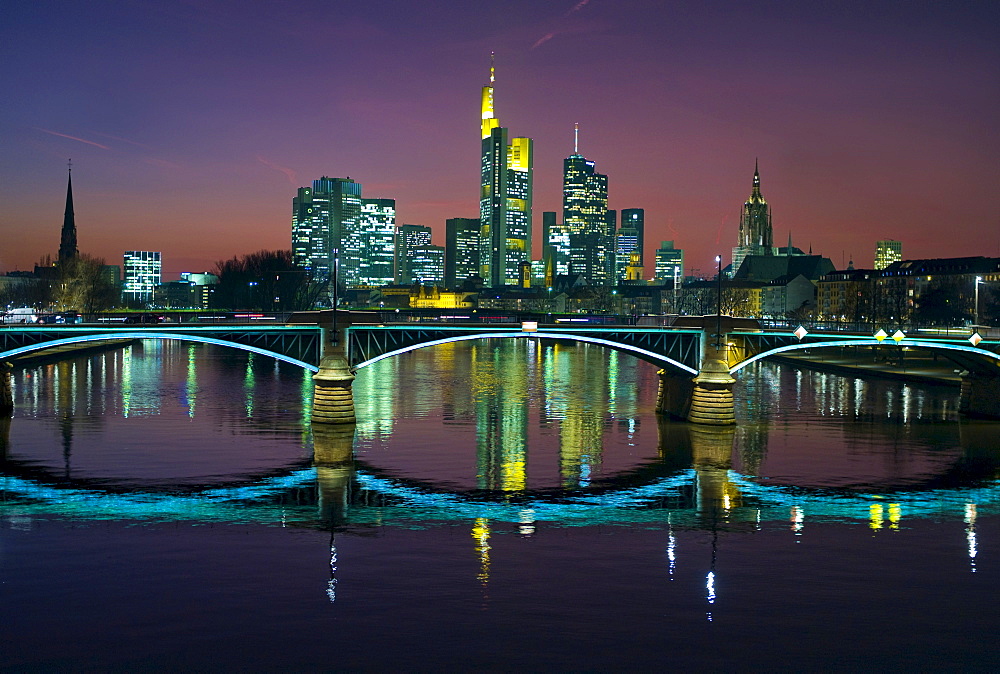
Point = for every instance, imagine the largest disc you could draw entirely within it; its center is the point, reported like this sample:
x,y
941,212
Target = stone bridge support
x,y
980,395
333,399
708,398
333,457
6,390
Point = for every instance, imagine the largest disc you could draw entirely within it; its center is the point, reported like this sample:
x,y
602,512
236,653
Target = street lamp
x,y
718,321
979,279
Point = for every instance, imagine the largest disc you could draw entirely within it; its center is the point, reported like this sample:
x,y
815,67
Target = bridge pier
x,y
712,401
980,396
6,389
333,458
333,399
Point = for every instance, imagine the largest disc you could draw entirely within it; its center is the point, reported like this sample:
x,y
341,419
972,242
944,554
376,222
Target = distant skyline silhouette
x,y
190,127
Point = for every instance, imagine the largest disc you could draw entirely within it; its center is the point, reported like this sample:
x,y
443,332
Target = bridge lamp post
x,y
975,321
718,303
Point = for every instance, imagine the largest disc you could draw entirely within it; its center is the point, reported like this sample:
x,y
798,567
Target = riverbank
x,y
65,351
909,367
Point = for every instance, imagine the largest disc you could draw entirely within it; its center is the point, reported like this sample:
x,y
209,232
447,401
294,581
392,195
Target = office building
x,y
426,265
626,243
505,199
374,243
461,250
636,219
143,272
324,217
755,236
669,265
555,247
887,252
585,217
408,239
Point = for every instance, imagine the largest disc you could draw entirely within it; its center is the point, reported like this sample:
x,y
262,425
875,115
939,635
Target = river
x,y
499,506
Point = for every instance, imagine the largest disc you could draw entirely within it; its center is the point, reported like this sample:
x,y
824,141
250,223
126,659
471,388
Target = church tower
x,y
67,244
755,226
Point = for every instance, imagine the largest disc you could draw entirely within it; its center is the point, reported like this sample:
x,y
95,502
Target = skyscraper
x,y
669,264
755,236
585,217
626,243
67,243
376,236
142,274
505,198
408,239
323,219
461,250
636,219
887,252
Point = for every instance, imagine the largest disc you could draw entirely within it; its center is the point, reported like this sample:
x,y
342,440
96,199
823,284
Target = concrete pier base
x,y
333,457
980,396
333,400
712,397
673,396
6,390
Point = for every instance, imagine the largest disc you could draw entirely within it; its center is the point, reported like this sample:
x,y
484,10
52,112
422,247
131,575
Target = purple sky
x,y
191,124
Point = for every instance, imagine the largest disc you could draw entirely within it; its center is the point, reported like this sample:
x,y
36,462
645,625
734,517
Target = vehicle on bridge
x,y
20,315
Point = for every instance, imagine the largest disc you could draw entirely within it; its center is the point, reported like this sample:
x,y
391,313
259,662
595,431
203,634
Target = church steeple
x,y
755,192
67,244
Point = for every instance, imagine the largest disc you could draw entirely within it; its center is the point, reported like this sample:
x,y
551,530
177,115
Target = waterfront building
x,y
636,219
505,199
669,264
585,217
461,250
756,234
886,252
143,272
408,239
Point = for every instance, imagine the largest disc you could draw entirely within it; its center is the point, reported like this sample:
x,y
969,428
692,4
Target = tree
x,y
83,286
266,280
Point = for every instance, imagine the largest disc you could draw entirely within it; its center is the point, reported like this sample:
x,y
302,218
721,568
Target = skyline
x,y
199,123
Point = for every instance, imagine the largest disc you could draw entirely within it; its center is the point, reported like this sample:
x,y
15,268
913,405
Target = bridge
x,y
697,357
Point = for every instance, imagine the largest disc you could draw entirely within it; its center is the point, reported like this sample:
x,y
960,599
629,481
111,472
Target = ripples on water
x,y
508,505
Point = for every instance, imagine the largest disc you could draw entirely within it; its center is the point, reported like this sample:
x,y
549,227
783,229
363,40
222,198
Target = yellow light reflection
x,y
481,532
875,516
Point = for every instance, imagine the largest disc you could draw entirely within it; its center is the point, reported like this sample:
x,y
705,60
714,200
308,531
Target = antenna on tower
x,y
69,163
492,67
576,138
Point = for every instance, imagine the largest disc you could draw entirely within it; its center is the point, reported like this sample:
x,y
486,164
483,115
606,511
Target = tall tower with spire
x,y
585,217
755,226
505,197
67,243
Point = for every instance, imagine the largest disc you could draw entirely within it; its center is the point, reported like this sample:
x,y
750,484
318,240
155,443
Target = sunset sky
x,y
191,124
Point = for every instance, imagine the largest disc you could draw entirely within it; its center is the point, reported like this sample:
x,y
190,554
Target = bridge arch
x,y
643,354
185,337
965,356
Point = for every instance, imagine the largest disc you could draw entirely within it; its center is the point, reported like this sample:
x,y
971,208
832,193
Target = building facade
x,y
586,220
505,198
408,239
887,251
461,250
143,272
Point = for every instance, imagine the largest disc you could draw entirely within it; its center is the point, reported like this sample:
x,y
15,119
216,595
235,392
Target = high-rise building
x,y
585,217
669,264
67,244
324,217
143,272
426,264
376,236
755,236
555,247
461,250
408,239
636,219
887,252
626,243
505,198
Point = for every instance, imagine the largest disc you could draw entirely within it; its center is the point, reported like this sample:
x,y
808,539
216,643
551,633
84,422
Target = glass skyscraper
x,y
585,217
461,250
143,270
505,198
